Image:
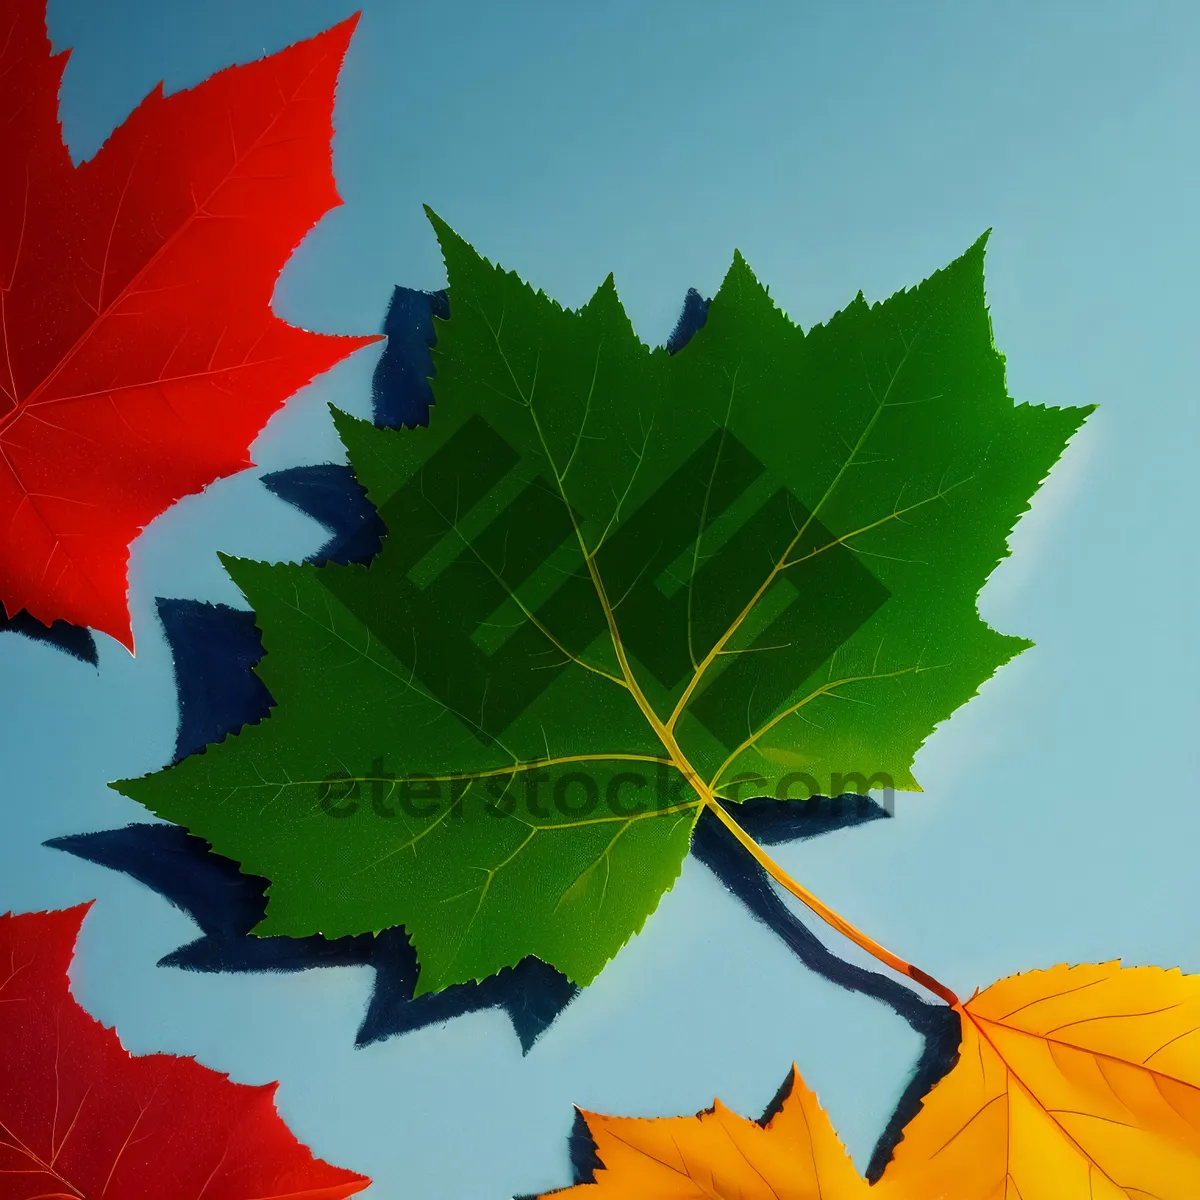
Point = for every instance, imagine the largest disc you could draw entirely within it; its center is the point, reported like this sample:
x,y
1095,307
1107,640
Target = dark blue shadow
x,y
215,649
330,494
71,639
400,389
691,321
226,905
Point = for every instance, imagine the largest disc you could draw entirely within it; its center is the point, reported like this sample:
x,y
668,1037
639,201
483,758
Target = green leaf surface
x,y
619,583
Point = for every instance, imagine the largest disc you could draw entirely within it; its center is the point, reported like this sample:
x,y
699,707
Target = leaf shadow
x,y
226,904
62,635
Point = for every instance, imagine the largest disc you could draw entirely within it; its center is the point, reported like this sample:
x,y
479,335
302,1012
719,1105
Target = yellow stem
x,y
826,913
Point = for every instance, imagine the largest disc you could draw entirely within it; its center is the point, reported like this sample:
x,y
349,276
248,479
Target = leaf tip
x,y
341,33
122,633
440,227
79,911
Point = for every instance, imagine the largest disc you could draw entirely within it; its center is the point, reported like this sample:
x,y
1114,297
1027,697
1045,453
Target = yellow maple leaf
x,y
717,1155
1077,1083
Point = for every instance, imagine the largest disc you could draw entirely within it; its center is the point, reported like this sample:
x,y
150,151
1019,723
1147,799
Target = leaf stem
x,y
776,872
826,913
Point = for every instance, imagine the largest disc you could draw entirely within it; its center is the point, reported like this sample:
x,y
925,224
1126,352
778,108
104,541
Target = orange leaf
x,y
1078,1083
717,1155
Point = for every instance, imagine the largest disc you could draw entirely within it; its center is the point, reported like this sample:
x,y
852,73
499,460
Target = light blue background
x,y
838,146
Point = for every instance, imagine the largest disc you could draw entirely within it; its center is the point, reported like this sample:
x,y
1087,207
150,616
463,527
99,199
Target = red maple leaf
x,y
139,355
82,1117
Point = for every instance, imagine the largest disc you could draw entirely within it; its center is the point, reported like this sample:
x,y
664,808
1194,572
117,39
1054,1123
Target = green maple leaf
x,y
619,584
